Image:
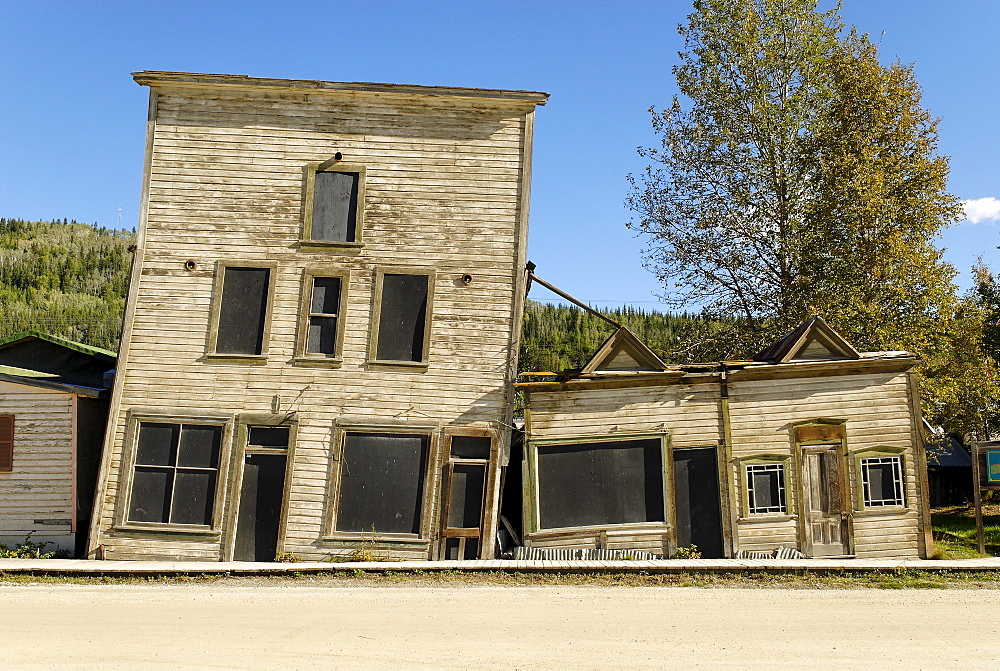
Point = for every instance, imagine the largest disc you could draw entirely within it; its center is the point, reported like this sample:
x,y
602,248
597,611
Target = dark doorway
x,y
697,501
261,497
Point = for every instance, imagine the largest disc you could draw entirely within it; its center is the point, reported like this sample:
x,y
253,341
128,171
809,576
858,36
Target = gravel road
x,y
219,625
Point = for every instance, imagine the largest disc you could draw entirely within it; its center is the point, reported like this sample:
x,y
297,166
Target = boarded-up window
x,y
6,443
882,482
402,321
382,483
324,312
176,468
242,310
599,483
765,488
335,206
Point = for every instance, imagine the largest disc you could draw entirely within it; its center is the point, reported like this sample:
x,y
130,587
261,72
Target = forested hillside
x,y
557,337
64,278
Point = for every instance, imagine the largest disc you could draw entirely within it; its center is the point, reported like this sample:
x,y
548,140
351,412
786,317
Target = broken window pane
x,y
766,488
882,481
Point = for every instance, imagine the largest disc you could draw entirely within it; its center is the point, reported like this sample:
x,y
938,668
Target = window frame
x,y
376,317
431,483
130,452
309,195
881,451
305,312
447,467
532,521
782,460
240,448
216,311
9,466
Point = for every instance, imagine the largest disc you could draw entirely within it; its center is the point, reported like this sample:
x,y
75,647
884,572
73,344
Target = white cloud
x,y
982,209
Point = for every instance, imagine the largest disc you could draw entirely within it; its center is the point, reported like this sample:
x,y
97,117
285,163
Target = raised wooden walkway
x,y
736,566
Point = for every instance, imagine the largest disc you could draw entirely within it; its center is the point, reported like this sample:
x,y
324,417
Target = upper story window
x,y
321,321
333,207
401,324
241,315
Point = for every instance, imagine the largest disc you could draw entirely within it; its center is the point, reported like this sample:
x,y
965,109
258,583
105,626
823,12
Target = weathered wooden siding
x,y
877,412
875,407
444,190
37,496
690,413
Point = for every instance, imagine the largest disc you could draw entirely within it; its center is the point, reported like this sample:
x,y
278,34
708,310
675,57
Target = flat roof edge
x,y
195,79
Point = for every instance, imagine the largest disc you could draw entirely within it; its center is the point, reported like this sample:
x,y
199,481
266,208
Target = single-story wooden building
x,y
810,445
53,410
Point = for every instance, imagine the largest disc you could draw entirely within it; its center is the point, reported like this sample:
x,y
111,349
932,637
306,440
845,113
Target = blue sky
x,y
72,120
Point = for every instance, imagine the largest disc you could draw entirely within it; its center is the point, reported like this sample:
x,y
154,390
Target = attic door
x,y
823,502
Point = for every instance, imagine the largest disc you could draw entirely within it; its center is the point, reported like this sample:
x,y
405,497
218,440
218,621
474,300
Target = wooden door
x,y
822,502
697,502
461,537
261,497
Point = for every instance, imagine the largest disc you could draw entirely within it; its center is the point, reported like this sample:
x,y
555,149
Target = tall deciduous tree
x,y
797,175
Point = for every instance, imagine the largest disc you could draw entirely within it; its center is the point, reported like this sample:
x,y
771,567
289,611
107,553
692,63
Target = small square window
x,y
333,213
882,482
765,488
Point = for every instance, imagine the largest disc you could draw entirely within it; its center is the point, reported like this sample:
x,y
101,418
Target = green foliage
x,y
955,532
691,552
63,278
797,175
557,338
28,549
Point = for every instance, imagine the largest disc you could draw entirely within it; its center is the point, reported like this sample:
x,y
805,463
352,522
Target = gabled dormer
x,y
812,340
623,352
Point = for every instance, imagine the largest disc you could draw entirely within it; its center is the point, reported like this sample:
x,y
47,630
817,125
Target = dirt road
x,y
219,625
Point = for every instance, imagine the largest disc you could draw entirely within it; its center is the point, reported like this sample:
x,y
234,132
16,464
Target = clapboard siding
x,y
36,497
444,190
875,408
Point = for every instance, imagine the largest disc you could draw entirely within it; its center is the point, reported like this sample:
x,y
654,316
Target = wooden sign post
x,y
985,475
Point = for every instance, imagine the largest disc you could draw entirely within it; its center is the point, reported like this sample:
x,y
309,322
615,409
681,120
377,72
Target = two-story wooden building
x,y
810,445
321,330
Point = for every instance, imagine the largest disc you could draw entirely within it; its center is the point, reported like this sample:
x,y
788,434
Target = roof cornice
x,y
157,79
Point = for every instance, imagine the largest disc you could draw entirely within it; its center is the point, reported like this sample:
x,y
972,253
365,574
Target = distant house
x,y
810,445
53,410
949,469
